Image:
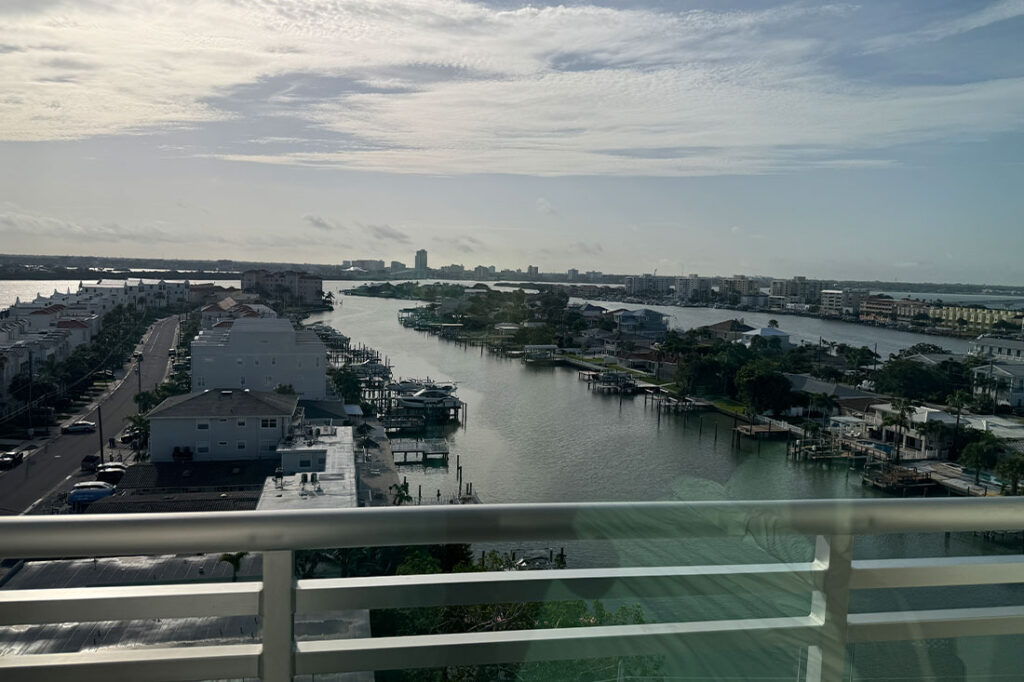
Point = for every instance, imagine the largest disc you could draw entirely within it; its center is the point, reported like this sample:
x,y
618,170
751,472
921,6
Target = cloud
x,y
590,249
321,223
940,30
387,233
16,222
464,243
544,206
459,87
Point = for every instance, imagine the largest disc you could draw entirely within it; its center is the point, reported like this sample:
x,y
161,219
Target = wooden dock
x,y
761,431
421,449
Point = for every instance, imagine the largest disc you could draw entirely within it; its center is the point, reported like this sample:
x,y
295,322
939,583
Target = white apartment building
x,y
693,287
841,301
220,425
1007,350
260,354
653,285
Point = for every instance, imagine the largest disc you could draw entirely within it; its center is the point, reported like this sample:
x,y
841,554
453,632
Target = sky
x,y
871,140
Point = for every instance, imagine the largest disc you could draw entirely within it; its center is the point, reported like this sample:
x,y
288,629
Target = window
x,y
241,421
222,444
240,445
268,446
268,423
202,448
304,463
241,381
203,426
238,361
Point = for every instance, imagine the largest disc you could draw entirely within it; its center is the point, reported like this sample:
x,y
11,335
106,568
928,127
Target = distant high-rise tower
x,y
421,260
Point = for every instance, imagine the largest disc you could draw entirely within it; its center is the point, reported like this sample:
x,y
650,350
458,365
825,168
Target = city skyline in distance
x,y
860,142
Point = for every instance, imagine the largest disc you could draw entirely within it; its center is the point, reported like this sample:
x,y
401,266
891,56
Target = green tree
x,y
234,559
932,431
285,389
824,403
1011,470
981,454
347,385
400,493
899,418
763,387
957,400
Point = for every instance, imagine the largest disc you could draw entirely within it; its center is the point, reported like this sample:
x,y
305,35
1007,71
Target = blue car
x,y
87,492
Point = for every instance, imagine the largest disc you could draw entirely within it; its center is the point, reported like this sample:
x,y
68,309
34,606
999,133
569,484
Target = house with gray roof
x,y
220,425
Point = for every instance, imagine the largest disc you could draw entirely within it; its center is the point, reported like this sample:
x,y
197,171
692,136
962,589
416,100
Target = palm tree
x,y
401,493
899,418
958,400
1012,469
981,453
824,402
235,559
931,431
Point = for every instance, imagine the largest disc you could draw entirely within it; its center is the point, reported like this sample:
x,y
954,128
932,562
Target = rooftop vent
x,y
225,393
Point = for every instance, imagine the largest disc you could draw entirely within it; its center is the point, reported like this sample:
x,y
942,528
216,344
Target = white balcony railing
x,y
825,630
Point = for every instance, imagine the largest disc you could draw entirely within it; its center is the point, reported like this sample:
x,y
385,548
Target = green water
x,y
537,434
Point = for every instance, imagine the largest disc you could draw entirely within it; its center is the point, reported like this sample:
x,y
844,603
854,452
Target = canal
x,y
537,434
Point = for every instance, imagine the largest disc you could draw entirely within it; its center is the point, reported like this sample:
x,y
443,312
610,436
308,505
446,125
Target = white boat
x,y
408,387
433,398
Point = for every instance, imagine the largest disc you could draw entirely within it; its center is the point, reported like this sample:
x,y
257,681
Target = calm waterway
x,y
539,435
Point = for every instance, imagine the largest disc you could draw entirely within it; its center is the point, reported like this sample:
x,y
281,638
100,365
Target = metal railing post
x,y
277,609
829,606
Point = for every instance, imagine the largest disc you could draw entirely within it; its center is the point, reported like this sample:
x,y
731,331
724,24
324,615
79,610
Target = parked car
x,y
80,426
111,473
129,435
87,492
90,463
171,352
11,459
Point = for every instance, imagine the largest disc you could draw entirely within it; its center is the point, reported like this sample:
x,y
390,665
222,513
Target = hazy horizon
x,y
869,141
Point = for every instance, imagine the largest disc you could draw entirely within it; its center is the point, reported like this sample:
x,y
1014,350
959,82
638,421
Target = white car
x,y
79,427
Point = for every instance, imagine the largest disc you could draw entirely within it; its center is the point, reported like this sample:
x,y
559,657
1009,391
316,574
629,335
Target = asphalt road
x,y
60,457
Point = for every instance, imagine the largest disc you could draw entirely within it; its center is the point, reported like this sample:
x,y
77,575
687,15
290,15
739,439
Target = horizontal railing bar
x,y
126,534
549,585
937,572
89,604
138,665
935,624
518,646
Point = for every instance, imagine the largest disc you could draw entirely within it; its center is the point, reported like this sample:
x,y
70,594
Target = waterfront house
x,y
1004,381
728,330
913,443
260,354
770,335
220,424
1000,348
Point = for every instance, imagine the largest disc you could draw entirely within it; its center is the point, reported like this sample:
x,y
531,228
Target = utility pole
x,y
138,371
99,427
30,373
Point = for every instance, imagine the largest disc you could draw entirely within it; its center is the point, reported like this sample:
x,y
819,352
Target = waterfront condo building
x,y
260,354
421,261
976,318
298,287
648,285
